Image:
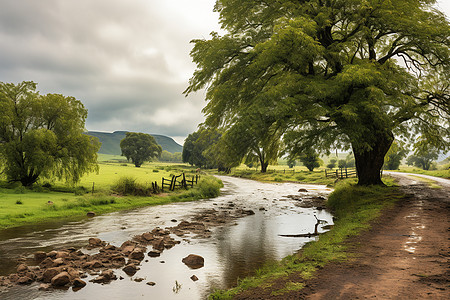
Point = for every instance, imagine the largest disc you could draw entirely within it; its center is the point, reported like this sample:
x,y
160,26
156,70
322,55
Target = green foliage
x,y
326,75
196,148
129,186
42,136
310,159
139,147
394,156
166,156
332,163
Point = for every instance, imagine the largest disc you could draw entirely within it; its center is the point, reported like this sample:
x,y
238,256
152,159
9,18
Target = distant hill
x,y
111,142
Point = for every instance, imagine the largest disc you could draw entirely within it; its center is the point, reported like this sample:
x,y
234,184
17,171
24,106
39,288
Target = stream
x,y
234,250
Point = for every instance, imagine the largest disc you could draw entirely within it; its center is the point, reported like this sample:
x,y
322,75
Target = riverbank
x,y
354,208
22,206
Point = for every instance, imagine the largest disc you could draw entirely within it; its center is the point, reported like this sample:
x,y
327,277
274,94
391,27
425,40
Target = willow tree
x,y
42,136
347,73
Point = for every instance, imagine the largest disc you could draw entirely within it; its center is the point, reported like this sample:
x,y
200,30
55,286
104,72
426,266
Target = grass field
x,y
52,200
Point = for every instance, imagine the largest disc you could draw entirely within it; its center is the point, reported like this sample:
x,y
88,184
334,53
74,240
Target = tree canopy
x,y
345,74
42,135
139,147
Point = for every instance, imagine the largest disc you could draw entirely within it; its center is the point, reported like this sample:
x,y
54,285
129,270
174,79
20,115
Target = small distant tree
x,y
342,163
139,147
332,163
196,145
310,159
291,162
394,156
423,160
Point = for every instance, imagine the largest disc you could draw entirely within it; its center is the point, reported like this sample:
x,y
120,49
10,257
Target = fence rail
x,y
179,181
341,173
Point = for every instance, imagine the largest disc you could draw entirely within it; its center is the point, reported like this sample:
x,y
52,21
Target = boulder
x,y
154,253
194,261
58,262
48,274
40,256
78,283
24,280
137,254
95,242
61,279
46,263
44,287
130,270
158,244
22,268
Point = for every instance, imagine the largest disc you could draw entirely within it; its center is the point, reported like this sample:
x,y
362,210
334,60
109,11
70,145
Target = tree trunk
x,y
369,162
264,166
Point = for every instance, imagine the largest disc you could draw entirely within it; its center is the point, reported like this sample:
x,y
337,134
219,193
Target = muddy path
x,y
404,256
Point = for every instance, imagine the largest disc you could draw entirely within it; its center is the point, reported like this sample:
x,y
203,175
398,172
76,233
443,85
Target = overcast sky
x,y
126,60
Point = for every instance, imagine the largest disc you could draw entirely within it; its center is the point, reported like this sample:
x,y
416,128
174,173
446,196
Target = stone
x,y
40,256
61,279
158,244
302,190
130,270
154,253
90,214
194,278
22,268
194,261
137,254
148,236
95,242
139,279
49,273
24,280
58,262
44,287
78,283
151,283
62,254
52,254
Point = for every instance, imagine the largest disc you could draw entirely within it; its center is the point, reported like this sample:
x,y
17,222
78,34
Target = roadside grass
x,y
354,207
57,200
280,174
437,173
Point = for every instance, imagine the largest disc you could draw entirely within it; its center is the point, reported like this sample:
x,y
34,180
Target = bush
x,y
209,187
19,202
155,171
128,186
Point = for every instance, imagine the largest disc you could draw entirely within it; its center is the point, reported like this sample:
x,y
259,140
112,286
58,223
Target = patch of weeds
x,y
289,287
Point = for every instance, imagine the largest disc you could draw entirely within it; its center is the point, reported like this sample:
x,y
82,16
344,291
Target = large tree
x,y
139,147
42,136
339,73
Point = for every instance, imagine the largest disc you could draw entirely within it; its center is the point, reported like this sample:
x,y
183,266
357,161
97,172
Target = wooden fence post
x,y
93,183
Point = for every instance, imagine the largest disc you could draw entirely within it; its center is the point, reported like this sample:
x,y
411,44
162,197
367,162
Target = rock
x,y
52,254
58,262
110,248
40,256
151,283
147,236
61,279
73,273
139,279
194,261
174,220
154,253
248,212
44,287
48,274
22,268
46,263
194,278
302,190
95,264
130,270
137,254
78,283
62,254
105,277
95,242
90,214
158,244
24,280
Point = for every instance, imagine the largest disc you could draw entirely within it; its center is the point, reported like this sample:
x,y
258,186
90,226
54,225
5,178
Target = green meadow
x,y
51,200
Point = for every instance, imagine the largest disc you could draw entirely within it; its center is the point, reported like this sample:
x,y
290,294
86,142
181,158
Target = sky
x,y
126,60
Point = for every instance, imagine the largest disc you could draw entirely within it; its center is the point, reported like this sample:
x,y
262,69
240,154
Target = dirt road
x,y
404,256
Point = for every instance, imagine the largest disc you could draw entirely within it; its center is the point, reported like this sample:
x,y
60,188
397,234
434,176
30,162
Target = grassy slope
x,y
19,206
354,208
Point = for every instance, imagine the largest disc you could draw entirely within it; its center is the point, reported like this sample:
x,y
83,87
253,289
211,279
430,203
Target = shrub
x,y
19,202
209,187
128,186
155,171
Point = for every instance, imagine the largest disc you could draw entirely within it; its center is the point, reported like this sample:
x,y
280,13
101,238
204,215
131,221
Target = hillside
x,y
111,142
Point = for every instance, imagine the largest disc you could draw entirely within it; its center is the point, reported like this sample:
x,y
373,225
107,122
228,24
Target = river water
x,y
234,250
